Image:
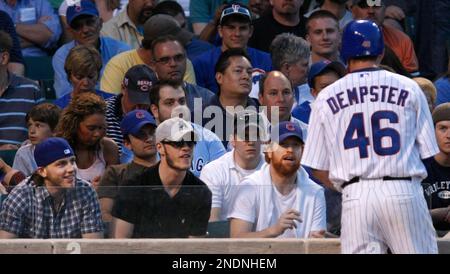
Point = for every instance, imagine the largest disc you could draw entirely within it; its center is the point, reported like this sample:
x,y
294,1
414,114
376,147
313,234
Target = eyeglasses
x,y
78,24
180,144
176,58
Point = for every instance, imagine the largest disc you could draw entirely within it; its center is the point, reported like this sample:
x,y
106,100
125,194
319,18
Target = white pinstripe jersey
x,y
371,123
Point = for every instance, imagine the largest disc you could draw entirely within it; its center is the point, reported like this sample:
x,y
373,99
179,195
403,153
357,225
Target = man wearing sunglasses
x,y
235,28
171,202
84,25
279,200
138,129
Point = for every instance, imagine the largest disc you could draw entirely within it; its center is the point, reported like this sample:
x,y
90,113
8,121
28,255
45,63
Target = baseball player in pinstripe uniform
x,y
367,134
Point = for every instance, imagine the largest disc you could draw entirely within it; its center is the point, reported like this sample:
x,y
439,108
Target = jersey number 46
x,y
361,141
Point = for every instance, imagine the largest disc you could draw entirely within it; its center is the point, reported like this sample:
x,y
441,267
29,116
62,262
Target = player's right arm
x,y
316,152
323,177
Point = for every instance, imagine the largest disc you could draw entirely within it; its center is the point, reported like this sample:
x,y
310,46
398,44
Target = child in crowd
x,y
41,122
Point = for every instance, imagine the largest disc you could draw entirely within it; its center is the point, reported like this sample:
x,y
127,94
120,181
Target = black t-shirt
x,y
117,176
266,28
157,215
437,185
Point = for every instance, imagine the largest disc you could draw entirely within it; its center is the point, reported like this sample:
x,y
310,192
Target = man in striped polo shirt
x,y
135,95
17,96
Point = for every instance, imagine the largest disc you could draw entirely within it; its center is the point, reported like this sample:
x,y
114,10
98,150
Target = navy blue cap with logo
x,y
138,81
286,129
84,7
319,67
52,149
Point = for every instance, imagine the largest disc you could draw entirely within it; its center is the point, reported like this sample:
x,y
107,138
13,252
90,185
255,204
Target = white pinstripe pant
x,y
378,214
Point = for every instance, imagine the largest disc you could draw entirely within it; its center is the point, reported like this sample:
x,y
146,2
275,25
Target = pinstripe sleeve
x,y
316,152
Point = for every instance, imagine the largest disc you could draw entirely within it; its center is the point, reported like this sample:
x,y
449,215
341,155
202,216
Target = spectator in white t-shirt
x,y
224,174
279,200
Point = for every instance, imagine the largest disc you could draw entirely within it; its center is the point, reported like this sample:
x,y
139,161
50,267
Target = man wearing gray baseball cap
x,y
170,202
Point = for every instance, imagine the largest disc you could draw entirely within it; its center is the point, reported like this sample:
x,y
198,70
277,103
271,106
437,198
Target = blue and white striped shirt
x,y
16,101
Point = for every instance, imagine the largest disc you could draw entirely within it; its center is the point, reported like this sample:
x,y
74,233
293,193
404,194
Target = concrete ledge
x,y
180,246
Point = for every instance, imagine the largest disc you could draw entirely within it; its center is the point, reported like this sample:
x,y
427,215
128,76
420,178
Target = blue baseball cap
x,y
317,68
83,7
50,150
286,129
135,120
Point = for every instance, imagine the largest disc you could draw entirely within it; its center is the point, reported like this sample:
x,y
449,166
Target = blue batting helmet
x,y
361,38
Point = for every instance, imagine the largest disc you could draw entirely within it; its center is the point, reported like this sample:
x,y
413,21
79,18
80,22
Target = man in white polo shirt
x,y
279,200
225,173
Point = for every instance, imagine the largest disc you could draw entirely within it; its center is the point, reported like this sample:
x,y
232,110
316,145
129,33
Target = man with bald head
x,y
276,94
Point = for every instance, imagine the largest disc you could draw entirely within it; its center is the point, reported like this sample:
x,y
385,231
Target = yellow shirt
x,y
111,80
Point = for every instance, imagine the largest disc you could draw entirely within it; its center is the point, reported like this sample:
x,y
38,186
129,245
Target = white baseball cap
x,y
174,130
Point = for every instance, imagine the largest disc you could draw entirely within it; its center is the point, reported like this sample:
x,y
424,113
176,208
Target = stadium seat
x,y
8,156
220,229
39,68
48,89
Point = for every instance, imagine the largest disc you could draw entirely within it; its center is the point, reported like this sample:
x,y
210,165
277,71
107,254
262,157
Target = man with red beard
x,y
52,203
279,200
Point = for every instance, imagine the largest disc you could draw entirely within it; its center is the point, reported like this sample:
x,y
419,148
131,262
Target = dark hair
x,y
164,39
224,59
171,8
155,89
45,113
6,42
321,14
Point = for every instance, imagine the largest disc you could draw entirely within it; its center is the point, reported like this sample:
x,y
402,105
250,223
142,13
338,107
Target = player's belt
x,y
385,178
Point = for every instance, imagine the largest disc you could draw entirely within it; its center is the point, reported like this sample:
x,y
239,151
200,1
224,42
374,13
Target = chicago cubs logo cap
x,y
286,129
138,81
78,8
319,67
135,120
235,10
50,150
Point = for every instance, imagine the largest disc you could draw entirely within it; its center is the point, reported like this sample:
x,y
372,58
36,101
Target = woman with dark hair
x,y
83,125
